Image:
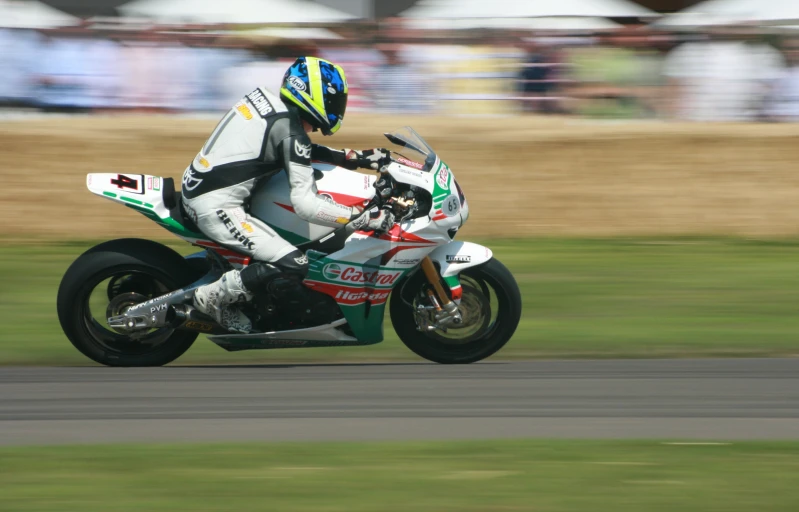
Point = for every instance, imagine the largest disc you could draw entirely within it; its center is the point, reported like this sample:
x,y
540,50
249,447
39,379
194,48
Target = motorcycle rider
x,y
260,136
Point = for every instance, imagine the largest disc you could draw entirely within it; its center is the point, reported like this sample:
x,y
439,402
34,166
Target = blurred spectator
x,y
784,102
538,81
721,79
618,77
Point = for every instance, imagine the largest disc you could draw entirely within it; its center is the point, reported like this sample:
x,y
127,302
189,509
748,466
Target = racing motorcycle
x,y
128,302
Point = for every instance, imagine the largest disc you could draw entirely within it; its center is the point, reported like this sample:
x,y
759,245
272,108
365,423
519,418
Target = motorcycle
x,y
128,302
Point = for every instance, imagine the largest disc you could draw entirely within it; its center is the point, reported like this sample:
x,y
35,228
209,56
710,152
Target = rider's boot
x,y
218,300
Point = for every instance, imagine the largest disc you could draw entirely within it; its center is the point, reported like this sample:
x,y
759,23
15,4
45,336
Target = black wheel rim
x,y
95,306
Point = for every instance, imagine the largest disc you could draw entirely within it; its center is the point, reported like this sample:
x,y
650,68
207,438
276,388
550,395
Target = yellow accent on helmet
x,y
306,90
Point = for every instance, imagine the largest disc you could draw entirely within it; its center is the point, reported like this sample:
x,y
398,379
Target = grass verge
x,y
582,298
553,476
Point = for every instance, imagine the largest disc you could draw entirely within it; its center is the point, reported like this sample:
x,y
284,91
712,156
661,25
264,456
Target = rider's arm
x,y
334,156
308,204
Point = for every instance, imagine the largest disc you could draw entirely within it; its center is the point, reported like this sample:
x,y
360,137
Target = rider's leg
x,y
235,229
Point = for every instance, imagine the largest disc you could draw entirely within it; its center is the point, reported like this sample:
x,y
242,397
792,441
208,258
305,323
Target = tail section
x,y
152,196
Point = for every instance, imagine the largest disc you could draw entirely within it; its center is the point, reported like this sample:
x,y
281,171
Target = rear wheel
x,y
491,307
108,279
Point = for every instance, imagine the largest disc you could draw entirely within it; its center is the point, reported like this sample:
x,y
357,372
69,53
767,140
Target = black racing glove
x,y
368,158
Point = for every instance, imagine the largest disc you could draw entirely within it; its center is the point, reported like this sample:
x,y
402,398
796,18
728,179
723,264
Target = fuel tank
x,y
271,203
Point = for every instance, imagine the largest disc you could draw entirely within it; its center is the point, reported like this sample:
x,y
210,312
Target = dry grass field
x,y
523,177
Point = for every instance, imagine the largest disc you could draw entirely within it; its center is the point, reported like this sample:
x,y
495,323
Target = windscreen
x,y
414,146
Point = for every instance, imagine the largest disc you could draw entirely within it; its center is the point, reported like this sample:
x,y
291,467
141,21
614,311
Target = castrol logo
x,y
354,275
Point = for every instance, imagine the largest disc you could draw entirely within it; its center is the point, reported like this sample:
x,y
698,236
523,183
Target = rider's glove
x,y
383,189
380,222
366,159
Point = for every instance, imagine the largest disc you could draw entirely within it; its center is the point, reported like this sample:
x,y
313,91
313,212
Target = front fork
x,y
443,312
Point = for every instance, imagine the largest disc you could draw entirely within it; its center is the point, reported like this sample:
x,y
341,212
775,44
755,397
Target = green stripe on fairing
x,y
168,223
129,200
288,236
109,194
452,281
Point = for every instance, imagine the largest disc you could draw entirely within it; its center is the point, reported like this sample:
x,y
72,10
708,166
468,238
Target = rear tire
x,y
486,334
156,270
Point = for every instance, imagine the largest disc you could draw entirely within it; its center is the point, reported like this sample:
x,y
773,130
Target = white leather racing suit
x,y
256,139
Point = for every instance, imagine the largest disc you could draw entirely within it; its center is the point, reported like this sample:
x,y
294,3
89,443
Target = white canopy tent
x,y
733,12
33,14
178,12
554,23
287,33
453,9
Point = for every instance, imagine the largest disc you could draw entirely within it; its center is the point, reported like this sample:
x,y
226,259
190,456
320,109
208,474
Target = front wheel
x,y
108,279
491,307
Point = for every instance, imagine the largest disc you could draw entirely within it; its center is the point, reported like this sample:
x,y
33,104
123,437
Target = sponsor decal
x,y
246,242
152,301
416,174
302,260
239,214
348,296
199,326
260,103
350,274
332,271
160,307
406,261
190,182
302,150
451,206
191,213
331,218
409,163
458,258
131,182
297,83
442,178
246,226
365,184
154,183
244,110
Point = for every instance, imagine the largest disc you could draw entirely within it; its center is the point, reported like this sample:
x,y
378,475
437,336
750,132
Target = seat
x,y
173,202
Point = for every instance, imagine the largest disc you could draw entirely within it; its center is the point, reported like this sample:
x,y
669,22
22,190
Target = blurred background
x,y
657,59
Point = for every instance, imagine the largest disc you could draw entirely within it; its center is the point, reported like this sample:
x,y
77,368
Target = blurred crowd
x,y
628,73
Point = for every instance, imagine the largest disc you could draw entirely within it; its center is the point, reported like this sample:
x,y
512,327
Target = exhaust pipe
x,y
187,318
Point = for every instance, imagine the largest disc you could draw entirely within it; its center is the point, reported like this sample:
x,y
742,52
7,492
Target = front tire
x,y
491,305
134,268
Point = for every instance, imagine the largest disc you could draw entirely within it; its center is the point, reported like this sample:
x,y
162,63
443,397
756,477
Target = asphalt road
x,y
675,399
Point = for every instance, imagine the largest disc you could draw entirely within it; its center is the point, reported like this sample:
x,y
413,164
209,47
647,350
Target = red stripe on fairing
x,y
397,235
345,199
456,292
342,199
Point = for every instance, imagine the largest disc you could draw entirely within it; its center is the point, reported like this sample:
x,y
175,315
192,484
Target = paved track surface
x,y
676,399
